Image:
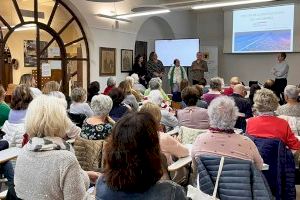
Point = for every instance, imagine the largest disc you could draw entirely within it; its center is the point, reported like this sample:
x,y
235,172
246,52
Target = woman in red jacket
x,y
266,124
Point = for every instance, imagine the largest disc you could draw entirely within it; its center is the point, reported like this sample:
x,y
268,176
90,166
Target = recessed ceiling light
x,y
113,18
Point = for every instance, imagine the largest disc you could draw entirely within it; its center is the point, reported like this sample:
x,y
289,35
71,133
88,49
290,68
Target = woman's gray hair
x,y
265,100
155,83
216,83
291,91
78,94
111,81
135,78
222,113
101,105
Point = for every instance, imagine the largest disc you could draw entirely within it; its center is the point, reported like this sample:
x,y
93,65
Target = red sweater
x,y
272,127
107,90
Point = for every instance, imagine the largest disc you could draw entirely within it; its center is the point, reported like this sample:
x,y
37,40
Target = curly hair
x,y
265,100
21,98
132,158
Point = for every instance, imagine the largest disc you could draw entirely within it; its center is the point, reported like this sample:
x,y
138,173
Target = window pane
x,y
27,9
53,51
45,8
61,17
77,71
76,50
8,12
71,33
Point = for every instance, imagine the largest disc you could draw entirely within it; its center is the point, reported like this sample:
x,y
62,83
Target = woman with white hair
x,y
292,108
98,127
215,89
111,83
221,140
47,158
156,84
267,124
137,86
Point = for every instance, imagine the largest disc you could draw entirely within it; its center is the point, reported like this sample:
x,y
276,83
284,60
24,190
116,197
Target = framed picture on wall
x,y
30,56
126,60
107,63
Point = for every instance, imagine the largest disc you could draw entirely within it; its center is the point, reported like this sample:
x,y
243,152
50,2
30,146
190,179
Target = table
x,y
10,153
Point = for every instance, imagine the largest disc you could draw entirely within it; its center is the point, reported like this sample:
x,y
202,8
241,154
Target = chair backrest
x,y
281,173
77,119
240,180
89,153
189,135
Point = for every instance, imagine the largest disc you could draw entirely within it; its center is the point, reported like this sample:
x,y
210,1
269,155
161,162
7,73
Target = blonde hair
x,y
152,109
130,80
235,80
51,86
46,117
26,79
265,100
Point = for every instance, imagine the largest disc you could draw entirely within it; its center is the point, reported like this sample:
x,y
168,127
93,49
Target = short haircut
x,y
26,79
270,84
154,84
283,54
78,95
135,77
93,87
216,83
101,105
190,96
203,82
222,113
132,158
111,81
51,86
265,100
117,96
46,117
125,87
2,93
291,91
153,109
21,98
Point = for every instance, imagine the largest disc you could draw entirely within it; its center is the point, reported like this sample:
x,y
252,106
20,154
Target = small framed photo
x,y
107,62
126,60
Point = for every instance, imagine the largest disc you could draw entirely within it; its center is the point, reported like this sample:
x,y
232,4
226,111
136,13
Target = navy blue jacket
x,y
281,173
240,180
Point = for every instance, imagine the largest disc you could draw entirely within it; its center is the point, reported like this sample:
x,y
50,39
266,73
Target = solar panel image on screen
x,y
266,29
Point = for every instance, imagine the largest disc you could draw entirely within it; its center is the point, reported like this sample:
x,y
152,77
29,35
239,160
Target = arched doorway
x,y
47,39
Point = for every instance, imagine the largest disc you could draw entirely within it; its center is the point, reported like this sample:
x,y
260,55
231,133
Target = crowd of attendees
x,y
134,118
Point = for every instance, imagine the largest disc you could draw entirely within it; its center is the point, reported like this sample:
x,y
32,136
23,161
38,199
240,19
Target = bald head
x,y
239,89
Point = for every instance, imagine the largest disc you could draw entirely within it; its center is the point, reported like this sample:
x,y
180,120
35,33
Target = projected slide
x,y
183,49
268,29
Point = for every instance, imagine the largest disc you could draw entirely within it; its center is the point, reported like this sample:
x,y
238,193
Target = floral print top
x,y
95,132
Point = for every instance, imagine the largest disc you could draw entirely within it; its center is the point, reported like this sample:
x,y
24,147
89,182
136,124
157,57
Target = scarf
x,y
172,75
48,144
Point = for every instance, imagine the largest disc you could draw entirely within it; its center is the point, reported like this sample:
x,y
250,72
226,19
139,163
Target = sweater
x,y
272,127
193,117
4,113
13,133
81,108
208,97
48,175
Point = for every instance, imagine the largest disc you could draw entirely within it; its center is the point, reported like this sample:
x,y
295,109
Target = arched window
x,y
47,39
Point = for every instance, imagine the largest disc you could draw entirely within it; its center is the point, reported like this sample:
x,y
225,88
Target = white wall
x,y
210,28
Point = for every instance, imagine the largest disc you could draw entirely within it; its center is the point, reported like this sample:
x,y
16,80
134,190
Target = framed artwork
x,y
126,60
107,63
30,56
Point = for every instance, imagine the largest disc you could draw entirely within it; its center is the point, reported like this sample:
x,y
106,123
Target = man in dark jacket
x,y
244,106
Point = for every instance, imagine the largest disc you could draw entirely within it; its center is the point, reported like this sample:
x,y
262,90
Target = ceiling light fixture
x,y
113,18
154,12
224,4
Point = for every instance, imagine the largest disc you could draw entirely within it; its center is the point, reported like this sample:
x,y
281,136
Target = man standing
x,y
198,68
280,71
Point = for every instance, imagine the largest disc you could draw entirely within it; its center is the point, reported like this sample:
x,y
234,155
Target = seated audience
x,y
291,111
203,83
233,81
267,124
47,159
137,94
137,86
216,88
221,139
98,127
133,164
129,99
79,106
92,90
270,84
200,102
4,108
156,83
245,109
253,89
29,81
176,96
52,88
14,127
111,83
192,116
119,109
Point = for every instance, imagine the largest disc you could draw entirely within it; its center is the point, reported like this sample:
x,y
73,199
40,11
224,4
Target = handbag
x,y
197,194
